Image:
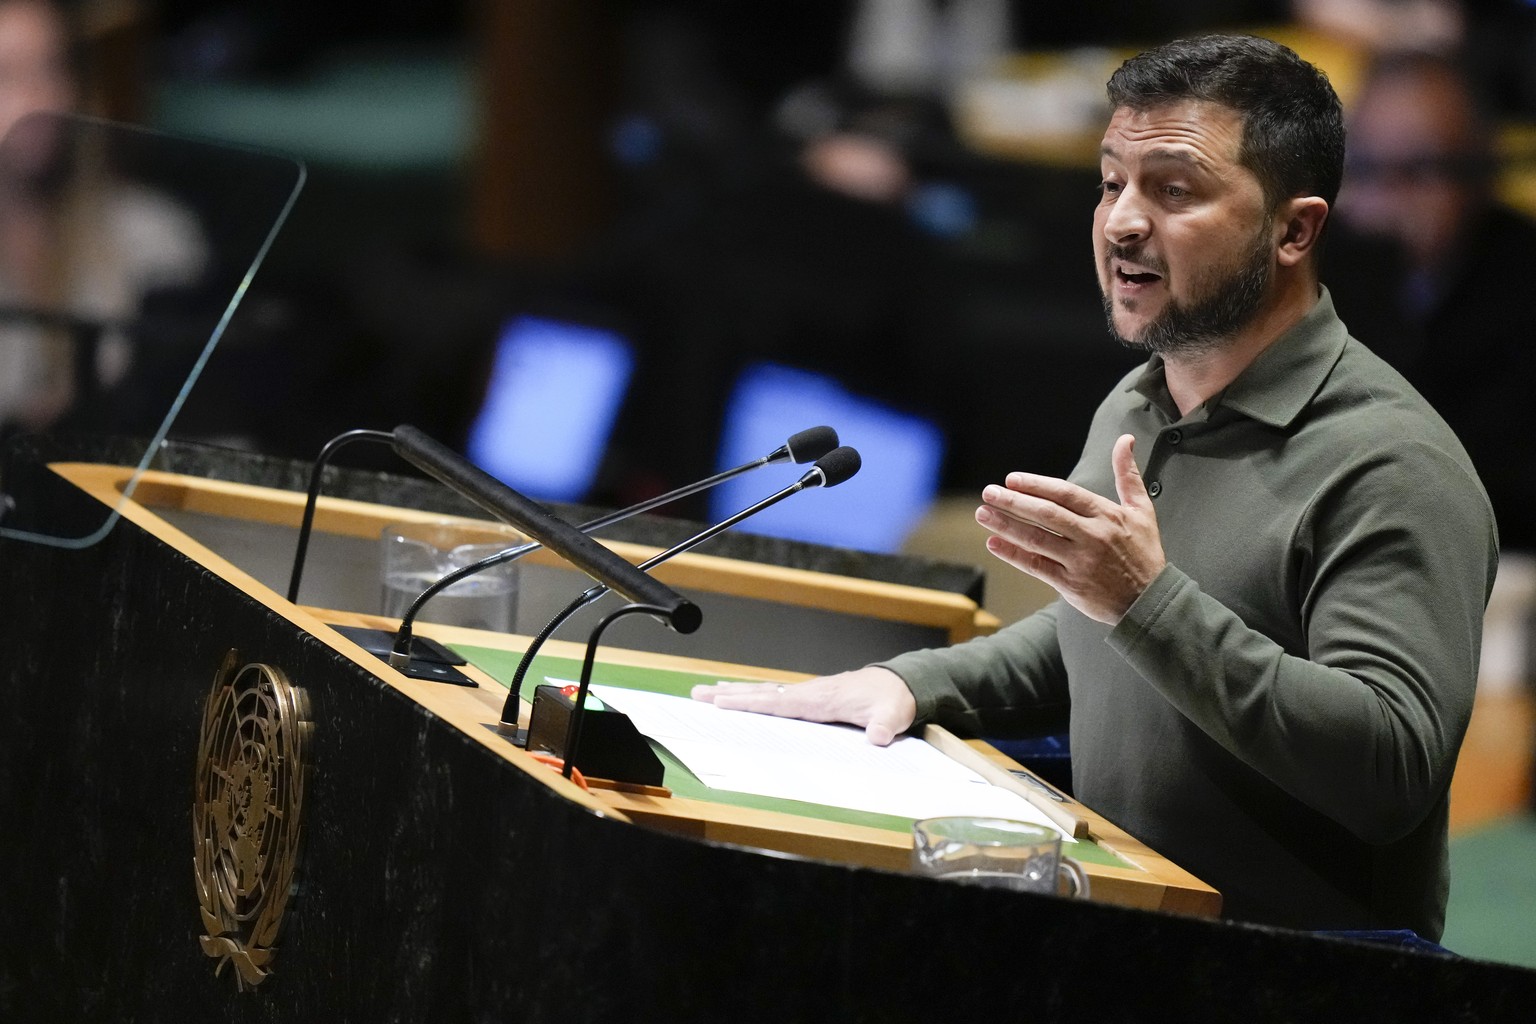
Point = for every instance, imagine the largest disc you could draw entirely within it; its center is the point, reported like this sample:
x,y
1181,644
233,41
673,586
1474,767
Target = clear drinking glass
x,y
996,852
414,555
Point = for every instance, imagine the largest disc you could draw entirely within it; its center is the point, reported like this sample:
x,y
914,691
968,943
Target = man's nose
x,y
1127,220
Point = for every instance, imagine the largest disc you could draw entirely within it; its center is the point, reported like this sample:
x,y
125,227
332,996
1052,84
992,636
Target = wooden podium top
x,y
1122,870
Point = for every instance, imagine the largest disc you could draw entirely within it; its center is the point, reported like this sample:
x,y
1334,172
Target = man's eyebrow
x,y
1161,155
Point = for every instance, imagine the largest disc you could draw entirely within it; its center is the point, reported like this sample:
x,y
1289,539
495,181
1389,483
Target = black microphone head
x,y
810,445
838,465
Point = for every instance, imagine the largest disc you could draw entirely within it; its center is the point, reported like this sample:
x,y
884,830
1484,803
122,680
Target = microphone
x,y
804,446
833,468
539,523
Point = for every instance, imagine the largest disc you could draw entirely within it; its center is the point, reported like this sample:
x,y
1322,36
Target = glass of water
x,y
996,852
415,555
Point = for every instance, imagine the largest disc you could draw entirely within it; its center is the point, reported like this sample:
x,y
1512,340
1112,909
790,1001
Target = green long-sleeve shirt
x,y
1280,711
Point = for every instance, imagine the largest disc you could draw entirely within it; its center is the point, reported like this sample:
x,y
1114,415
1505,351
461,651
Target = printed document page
x,y
824,764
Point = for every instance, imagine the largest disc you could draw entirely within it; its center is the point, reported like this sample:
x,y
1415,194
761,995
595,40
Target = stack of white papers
x,y
822,764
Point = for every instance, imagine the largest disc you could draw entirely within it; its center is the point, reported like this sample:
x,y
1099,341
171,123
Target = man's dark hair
x,y
1293,124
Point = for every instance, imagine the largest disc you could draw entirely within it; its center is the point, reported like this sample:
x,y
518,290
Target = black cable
x,y
509,710
573,730
307,525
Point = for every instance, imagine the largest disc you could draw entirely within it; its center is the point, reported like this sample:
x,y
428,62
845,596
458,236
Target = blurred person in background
x,y
1388,26
77,253
1432,297
1495,40
35,74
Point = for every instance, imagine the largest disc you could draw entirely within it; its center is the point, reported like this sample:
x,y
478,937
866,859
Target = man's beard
x,y
1222,306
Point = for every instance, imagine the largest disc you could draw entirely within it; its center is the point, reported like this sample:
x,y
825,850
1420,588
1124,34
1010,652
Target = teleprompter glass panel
x,y
123,255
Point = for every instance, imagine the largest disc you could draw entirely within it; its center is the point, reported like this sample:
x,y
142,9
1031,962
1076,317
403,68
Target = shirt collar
x,y
1277,385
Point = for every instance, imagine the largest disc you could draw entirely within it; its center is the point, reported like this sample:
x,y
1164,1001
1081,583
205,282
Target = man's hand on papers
x,y
875,698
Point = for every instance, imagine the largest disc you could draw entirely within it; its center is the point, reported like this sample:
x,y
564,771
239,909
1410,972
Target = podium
x,y
427,870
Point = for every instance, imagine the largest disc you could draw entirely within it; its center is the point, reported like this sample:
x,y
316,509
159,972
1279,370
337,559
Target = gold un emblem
x,y
246,813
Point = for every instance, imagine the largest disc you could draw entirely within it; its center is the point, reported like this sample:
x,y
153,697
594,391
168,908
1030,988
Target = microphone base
x,y
430,660
432,672
382,641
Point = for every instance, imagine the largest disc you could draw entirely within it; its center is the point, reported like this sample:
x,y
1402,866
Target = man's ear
x,y
1301,222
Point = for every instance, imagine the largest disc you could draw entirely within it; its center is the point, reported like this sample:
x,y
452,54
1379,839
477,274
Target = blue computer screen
x,y
554,392
902,456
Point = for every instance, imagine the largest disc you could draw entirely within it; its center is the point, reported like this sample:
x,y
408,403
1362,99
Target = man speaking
x,y
1272,557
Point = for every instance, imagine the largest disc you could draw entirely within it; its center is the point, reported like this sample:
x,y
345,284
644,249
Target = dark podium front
x,y
435,879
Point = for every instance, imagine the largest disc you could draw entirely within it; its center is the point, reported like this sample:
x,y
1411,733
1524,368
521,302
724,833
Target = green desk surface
x,y
501,665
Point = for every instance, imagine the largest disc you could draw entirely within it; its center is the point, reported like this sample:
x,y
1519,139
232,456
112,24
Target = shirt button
x,y
1154,488
1175,436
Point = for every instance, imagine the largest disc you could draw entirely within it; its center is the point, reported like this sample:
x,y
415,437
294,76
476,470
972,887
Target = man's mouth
x,y
1131,268
1134,276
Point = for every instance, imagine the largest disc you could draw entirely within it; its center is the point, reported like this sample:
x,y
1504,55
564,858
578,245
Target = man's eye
x,y
1109,188
1175,192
